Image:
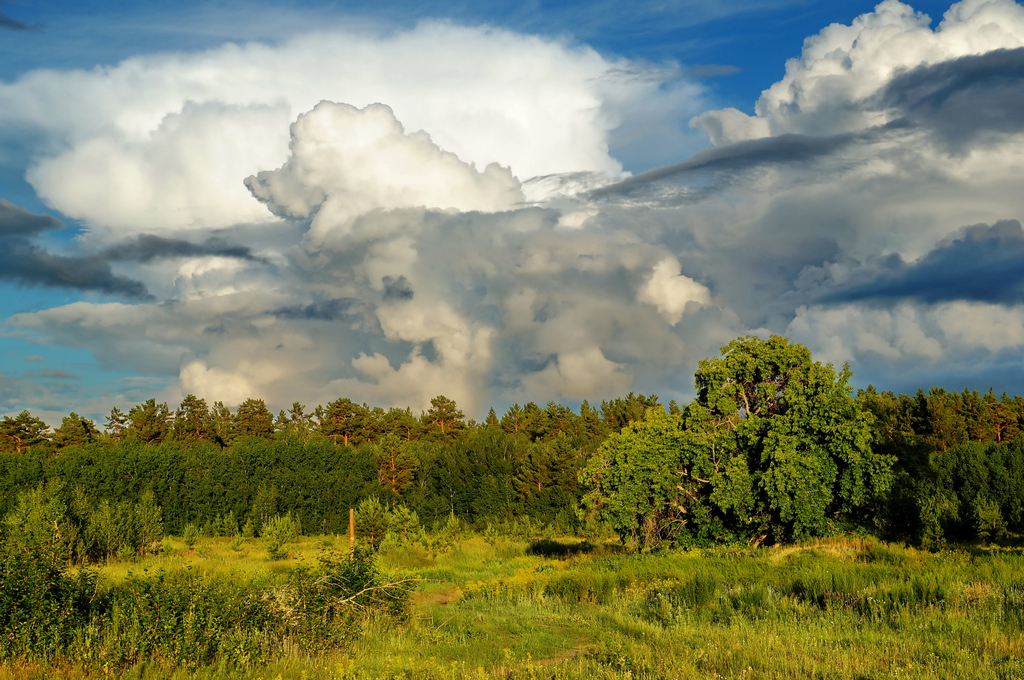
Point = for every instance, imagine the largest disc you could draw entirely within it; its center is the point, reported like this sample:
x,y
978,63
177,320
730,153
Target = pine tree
x,y
253,419
513,421
344,422
75,430
149,422
192,421
396,465
117,424
444,417
21,432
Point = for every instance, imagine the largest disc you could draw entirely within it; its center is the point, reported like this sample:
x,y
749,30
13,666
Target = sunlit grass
x,y
502,607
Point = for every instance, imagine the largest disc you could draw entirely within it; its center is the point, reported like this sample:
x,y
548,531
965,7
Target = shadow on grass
x,y
546,547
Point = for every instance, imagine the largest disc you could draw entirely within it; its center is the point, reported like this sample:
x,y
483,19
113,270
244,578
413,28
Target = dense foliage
x,y
775,447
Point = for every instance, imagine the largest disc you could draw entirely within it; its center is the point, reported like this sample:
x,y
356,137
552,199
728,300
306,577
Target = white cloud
x,y
412,263
577,375
670,291
346,162
845,64
161,141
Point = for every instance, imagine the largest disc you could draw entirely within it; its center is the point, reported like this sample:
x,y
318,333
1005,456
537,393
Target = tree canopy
x,y
773,448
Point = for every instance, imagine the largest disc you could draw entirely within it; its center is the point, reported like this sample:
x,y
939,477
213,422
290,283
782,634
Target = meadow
x,y
492,605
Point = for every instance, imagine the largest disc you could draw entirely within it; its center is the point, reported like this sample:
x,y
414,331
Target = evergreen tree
x,y
117,424
253,419
343,422
402,423
513,421
149,421
444,417
620,412
220,422
21,432
192,421
396,464
75,430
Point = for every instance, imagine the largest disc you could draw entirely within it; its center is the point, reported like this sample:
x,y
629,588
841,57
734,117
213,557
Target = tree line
x,y
775,447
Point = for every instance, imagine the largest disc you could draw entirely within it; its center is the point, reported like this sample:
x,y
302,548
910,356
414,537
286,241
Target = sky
x,y
501,202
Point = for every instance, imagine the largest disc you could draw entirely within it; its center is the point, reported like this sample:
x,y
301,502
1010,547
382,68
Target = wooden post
x,y
351,533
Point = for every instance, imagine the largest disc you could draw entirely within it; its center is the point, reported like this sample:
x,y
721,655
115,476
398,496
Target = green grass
x,y
835,609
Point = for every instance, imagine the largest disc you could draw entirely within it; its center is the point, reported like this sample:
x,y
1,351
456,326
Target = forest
x,y
775,450
775,447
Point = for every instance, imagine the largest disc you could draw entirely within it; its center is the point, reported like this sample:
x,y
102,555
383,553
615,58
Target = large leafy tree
x,y
773,448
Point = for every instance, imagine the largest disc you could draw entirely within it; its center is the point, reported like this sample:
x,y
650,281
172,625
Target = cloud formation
x,y
985,264
27,263
160,142
421,229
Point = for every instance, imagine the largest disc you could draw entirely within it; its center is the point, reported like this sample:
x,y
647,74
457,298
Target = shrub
x,y
371,521
278,533
190,535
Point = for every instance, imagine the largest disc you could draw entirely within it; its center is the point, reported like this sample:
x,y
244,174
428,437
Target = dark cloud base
x,y
26,263
985,264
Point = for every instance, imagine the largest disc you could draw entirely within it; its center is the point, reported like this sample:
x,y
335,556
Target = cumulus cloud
x,y
346,162
160,142
671,292
842,67
415,228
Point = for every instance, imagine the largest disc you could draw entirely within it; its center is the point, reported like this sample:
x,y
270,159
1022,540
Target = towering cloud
x,y
160,142
452,220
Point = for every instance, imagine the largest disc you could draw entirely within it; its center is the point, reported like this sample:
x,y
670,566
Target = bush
x,y
190,535
371,521
41,607
279,532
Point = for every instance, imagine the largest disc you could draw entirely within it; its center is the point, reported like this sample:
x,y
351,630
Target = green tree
x,y
296,422
620,412
396,464
513,421
806,442
372,521
344,422
773,448
444,417
403,423
253,419
278,533
117,424
75,430
149,421
21,432
193,422
221,422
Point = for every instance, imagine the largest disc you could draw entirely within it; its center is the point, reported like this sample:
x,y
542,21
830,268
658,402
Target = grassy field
x,y
569,609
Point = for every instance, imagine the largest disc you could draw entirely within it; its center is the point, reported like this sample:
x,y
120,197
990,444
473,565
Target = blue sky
x,y
816,278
